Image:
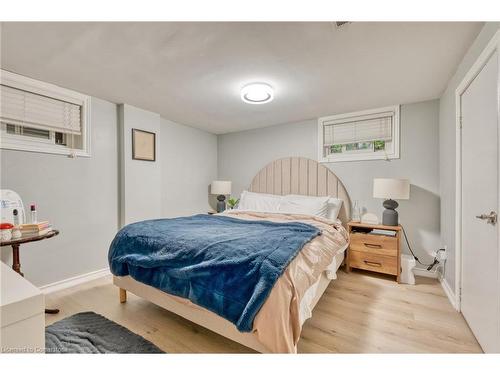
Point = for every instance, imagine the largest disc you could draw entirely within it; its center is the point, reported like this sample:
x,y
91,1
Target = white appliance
x,y
10,200
408,263
22,322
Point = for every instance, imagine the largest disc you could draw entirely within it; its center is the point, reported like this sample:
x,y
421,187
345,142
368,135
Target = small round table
x,y
16,262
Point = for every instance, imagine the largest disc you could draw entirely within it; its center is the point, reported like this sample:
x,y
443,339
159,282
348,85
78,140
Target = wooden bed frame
x,y
293,175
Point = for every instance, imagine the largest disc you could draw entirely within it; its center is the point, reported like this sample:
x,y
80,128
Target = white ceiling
x,y
192,73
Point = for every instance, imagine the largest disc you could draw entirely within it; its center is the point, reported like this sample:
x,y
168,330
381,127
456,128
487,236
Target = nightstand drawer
x,y
373,262
376,244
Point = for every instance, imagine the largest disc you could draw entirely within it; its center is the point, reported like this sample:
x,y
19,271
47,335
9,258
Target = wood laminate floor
x,y
359,313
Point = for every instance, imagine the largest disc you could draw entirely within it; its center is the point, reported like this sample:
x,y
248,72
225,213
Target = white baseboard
x,y
72,281
444,284
423,272
449,293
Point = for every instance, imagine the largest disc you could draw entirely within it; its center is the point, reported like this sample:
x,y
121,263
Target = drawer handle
x,y
373,245
373,264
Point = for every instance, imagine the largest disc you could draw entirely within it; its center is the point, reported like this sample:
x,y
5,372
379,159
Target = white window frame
x,y
393,153
23,143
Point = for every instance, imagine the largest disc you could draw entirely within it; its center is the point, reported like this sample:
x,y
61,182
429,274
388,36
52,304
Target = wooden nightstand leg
x,y
347,264
123,295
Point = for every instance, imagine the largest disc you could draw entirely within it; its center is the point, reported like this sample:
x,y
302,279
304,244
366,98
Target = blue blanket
x,y
226,265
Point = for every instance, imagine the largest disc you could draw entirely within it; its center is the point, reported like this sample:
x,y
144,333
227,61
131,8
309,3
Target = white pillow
x,y
334,206
303,204
260,202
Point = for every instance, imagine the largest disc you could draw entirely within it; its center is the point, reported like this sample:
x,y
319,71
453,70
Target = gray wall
x,y
447,152
79,196
189,158
241,155
140,180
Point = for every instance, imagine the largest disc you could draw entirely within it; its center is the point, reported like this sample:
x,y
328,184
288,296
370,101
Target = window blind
x,y
19,107
354,130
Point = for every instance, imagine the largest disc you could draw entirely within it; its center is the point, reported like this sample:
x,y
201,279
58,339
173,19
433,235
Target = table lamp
x,y
221,189
390,189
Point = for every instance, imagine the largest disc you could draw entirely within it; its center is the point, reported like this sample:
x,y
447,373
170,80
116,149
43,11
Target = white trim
x,y
449,292
73,281
52,91
43,88
444,284
395,154
424,273
8,143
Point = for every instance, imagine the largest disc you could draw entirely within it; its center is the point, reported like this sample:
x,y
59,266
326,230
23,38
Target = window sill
x,y
41,148
357,157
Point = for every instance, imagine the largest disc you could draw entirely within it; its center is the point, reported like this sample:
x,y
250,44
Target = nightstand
x,y
373,251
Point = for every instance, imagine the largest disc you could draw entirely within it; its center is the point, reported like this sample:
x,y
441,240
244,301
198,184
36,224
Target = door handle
x,y
490,218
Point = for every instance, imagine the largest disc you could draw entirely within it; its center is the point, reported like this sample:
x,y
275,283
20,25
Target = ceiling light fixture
x,y
257,93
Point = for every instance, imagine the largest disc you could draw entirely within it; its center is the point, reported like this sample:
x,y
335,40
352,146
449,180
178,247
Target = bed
x,y
278,322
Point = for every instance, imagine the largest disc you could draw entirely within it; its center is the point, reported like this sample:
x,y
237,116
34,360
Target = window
x,y
366,135
40,117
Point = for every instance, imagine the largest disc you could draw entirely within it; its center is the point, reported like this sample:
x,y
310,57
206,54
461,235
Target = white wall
x,y
189,158
447,152
241,155
140,180
79,196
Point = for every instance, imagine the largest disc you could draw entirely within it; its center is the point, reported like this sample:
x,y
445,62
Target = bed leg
x,y
123,295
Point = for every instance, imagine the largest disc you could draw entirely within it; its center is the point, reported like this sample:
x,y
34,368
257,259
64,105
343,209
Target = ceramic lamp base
x,y
390,215
221,203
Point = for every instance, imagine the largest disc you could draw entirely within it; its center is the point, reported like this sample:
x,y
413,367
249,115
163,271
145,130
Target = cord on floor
x,y
429,266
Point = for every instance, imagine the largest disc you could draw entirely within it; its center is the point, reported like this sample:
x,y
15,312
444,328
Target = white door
x,y
480,297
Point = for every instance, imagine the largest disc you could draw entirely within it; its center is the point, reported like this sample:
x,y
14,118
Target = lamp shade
x,y
391,188
220,187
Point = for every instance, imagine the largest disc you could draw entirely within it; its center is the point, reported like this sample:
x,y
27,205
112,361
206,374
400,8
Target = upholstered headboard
x,y
301,176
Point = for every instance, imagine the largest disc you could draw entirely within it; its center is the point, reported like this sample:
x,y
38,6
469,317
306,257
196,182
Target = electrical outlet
x,y
442,253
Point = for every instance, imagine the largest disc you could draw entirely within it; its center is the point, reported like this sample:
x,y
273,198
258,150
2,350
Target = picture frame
x,y
143,145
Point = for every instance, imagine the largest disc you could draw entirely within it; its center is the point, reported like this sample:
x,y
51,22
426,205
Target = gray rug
x,y
88,332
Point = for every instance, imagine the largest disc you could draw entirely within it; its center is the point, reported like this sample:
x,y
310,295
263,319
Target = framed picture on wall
x,y
143,145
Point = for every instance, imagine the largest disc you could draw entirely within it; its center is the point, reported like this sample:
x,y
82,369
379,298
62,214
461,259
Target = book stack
x,y
35,229
384,232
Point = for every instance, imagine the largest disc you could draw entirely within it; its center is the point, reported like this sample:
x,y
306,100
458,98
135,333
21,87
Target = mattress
x,y
278,324
311,295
